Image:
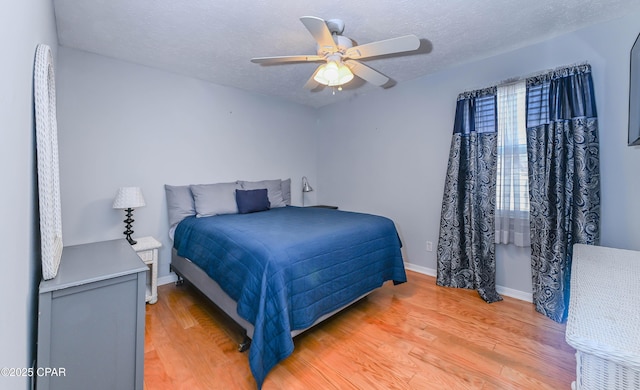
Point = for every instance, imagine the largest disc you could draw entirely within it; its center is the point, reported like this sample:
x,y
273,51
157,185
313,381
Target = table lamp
x,y
305,188
127,199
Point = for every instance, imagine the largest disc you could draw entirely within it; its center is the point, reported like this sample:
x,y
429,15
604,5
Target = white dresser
x,y
91,319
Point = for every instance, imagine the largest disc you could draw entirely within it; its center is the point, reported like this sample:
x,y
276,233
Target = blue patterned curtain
x,y
466,248
564,180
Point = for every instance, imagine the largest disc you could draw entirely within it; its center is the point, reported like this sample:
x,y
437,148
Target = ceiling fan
x,y
339,55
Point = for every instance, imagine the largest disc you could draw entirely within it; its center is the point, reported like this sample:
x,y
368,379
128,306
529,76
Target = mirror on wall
x,y
634,95
44,91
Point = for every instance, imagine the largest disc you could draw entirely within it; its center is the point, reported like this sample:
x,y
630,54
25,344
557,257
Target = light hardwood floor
x,y
411,336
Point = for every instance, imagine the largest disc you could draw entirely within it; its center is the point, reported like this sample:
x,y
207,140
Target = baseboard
x,y
509,292
171,278
517,294
420,269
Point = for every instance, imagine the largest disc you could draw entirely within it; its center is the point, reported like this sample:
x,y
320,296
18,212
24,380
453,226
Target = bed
x,y
279,271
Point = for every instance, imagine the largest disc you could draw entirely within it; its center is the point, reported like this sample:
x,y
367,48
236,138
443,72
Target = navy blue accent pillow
x,y
250,201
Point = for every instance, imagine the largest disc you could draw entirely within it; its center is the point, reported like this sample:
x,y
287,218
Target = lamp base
x,y
128,223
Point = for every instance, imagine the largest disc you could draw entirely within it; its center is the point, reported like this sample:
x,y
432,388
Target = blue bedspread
x,y
288,266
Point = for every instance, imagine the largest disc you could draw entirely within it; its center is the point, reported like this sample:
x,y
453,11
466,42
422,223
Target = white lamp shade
x,y
128,198
333,74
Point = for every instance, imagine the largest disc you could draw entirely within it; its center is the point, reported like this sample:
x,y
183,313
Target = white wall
x,y
122,124
387,152
23,25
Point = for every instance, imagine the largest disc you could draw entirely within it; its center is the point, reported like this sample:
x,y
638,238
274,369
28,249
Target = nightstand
x,y
147,249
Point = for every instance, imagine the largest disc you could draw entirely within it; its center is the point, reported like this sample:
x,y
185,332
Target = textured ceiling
x,y
214,40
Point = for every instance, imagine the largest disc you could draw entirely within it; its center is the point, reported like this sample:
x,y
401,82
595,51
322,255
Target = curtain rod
x,y
514,80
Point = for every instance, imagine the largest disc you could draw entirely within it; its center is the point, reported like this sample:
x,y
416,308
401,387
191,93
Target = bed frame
x,y
187,270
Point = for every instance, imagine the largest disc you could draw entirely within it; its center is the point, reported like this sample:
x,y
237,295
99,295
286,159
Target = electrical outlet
x,y
429,246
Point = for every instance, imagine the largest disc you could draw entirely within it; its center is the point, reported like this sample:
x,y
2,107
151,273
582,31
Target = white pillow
x,y
286,191
179,205
215,199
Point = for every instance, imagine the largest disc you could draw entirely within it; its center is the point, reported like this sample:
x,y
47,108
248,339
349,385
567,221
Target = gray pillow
x,y
274,190
180,205
286,191
215,199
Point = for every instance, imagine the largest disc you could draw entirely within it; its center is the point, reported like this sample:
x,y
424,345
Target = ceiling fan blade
x,y
311,83
366,73
320,32
285,59
380,48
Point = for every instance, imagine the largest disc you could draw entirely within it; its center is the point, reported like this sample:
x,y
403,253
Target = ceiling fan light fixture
x,y
333,74
344,74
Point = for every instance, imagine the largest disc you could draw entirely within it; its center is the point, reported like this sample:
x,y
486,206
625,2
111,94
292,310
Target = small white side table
x,y
147,249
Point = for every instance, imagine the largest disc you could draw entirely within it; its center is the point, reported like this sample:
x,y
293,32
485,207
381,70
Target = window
x,y
512,183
